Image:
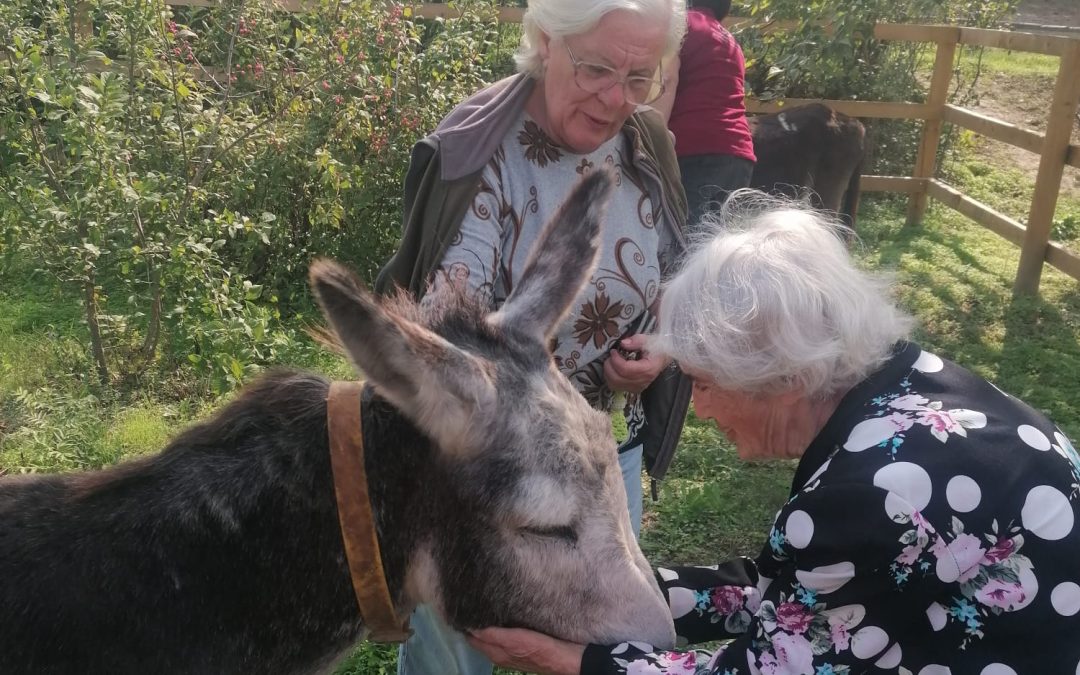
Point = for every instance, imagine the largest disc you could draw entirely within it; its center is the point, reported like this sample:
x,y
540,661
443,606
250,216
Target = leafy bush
x,y
49,430
178,168
831,53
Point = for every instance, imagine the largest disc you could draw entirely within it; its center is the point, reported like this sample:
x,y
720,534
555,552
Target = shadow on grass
x,y
957,279
713,505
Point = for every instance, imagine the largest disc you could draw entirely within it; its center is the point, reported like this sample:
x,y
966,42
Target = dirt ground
x,y
1049,12
1023,99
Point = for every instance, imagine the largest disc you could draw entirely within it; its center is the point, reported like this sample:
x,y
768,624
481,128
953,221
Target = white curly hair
x,y
563,18
770,300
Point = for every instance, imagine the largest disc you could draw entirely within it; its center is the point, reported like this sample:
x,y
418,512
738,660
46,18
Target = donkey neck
x,y
402,471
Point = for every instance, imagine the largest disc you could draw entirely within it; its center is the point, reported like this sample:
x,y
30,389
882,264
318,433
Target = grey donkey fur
x,y
495,488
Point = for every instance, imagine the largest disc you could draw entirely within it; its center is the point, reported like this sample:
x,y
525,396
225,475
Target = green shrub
x,y
177,170
52,430
831,53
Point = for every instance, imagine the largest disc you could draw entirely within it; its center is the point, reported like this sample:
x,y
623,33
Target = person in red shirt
x,y
706,111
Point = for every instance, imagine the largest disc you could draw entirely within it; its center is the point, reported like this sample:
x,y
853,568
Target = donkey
x,y
495,490
815,149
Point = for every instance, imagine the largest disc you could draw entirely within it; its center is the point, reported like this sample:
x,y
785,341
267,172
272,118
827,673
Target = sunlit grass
x,y
1010,62
991,61
141,430
1010,191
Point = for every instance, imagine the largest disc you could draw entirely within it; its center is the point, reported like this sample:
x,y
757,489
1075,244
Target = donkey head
x,y
524,513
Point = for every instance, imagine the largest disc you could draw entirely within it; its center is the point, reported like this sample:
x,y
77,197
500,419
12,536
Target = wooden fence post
x,y
926,160
1055,148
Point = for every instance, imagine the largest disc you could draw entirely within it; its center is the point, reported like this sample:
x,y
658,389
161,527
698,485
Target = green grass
x,y
1009,190
992,61
141,429
370,659
40,336
55,416
1003,61
956,277
48,420
712,505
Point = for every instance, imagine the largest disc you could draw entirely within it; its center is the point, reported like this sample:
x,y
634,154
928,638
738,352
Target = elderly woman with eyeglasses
x,y
933,523
481,186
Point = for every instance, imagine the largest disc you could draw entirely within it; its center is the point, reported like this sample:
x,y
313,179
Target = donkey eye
x,y
563,532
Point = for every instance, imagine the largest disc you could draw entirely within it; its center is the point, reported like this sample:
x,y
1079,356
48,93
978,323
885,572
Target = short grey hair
x,y
563,18
770,300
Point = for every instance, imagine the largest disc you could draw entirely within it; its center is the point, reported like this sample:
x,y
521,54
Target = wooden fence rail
x,y
1052,146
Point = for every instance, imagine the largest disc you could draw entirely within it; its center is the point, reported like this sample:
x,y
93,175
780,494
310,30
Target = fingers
x,y
506,647
509,644
633,343
612,375
528,651
487,647
495,637
643,369
630,367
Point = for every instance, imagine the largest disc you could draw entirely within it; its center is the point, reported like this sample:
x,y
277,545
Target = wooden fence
x,y
1053,146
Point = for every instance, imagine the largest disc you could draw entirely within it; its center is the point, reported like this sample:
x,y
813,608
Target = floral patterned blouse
x,y
931,530
521,188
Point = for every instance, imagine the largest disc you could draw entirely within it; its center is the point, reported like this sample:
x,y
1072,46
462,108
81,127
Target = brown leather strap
x,y
354,514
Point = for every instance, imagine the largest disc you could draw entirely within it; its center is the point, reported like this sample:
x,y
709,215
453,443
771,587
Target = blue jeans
x,y
630,464
437,649
708,180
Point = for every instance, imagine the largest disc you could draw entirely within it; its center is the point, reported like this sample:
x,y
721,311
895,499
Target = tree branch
x,y
215,132
176,101
37,133
249,132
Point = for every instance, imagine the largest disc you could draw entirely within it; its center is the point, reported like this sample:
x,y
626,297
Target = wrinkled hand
x,y
633,375
528,651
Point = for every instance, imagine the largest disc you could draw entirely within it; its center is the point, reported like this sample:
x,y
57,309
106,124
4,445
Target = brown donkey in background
x,y
811,150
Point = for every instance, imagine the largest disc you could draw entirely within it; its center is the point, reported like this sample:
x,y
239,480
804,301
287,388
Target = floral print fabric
x,y
521,188
931,530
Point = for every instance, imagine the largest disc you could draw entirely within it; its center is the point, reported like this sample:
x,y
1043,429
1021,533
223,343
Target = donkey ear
x,y
433,383
561,261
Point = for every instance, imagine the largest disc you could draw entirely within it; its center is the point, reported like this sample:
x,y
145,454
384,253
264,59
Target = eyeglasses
x,y
597,78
